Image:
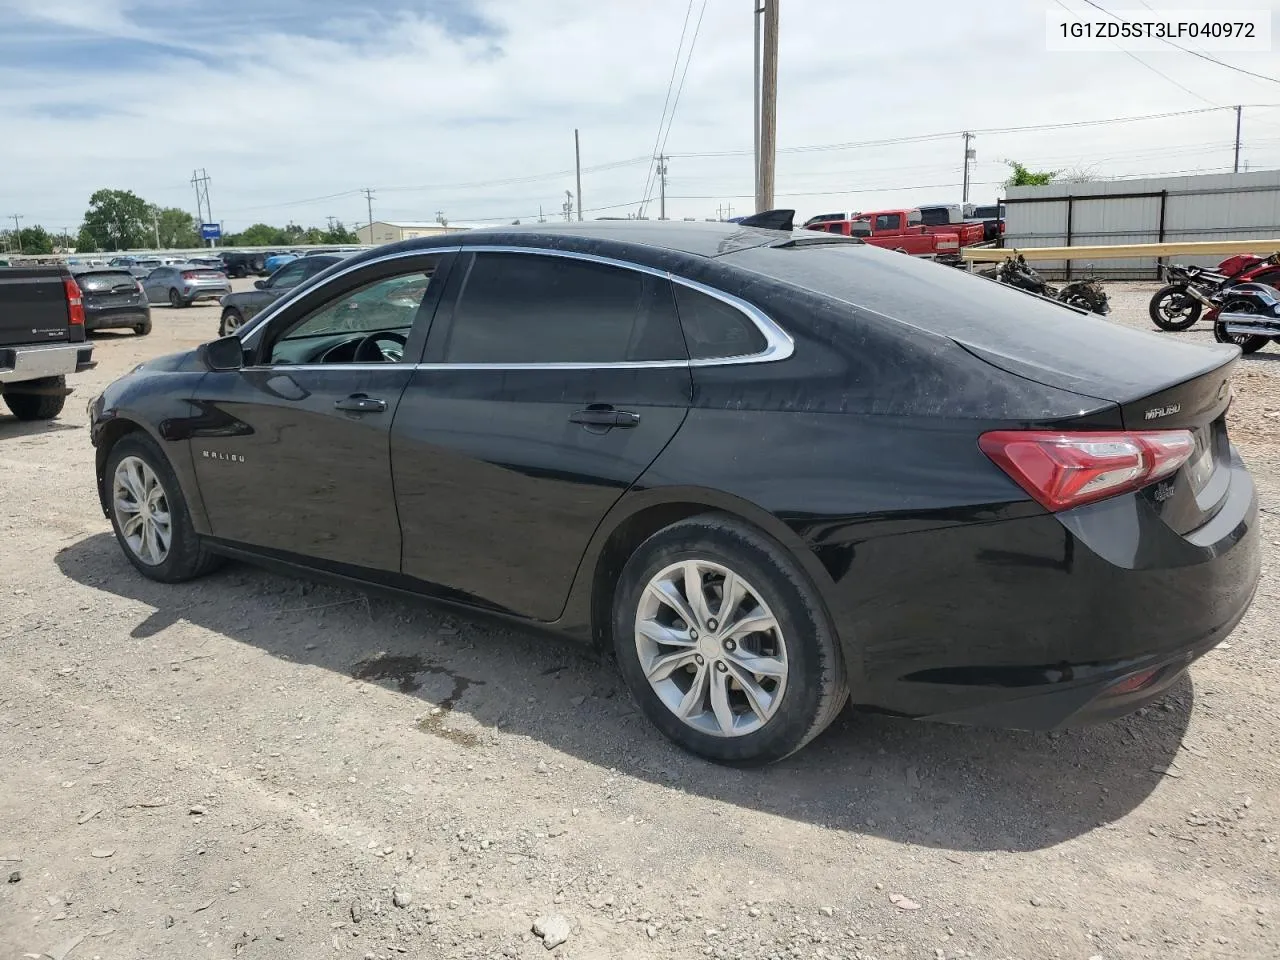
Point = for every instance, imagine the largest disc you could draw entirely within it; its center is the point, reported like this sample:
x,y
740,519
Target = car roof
x,y
700,238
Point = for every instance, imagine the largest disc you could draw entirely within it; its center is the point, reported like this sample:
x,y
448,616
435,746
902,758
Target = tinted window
x,y
935,216
529,308
103,281
713,328
289,276
889,221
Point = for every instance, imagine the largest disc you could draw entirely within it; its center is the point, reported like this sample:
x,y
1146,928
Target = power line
x,y
1194,53
671,116
675,65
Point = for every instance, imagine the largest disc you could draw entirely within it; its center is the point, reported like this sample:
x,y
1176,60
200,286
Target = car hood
x,y
185,362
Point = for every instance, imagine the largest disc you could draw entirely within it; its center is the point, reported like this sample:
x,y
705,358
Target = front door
x,y
550,384
294,458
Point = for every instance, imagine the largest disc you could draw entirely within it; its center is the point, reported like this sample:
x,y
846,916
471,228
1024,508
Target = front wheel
x,y
1172,308
724,643
1247,342
232,320
149,513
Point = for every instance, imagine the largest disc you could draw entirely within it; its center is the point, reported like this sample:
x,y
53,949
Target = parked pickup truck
x,y
899,230
42,339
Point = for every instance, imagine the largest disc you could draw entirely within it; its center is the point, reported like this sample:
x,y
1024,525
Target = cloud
x,y
297,99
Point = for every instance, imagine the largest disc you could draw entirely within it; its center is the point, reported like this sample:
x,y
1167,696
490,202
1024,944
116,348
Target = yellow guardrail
x,y
1123,251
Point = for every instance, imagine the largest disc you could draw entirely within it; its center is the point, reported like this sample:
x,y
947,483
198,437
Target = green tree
x,y
1022,177
176,227
116,220
34,240
338,233
258,235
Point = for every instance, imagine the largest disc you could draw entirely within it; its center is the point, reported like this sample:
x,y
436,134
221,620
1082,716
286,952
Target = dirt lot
x,y
256,766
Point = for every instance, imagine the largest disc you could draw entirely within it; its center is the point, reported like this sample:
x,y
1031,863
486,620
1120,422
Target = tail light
x,y
1065,470
75,303
141,288
188,274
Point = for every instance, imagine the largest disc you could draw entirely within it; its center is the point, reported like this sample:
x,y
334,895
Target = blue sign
x,y
210,231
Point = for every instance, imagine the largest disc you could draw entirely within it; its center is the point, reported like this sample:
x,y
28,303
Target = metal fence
x,y
1228,206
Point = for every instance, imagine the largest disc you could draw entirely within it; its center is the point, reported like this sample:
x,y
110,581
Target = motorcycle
x,y
1247,315
1190,290
1085,295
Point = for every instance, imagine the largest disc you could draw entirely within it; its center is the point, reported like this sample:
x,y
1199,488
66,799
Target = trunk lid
x,y
33,305
108,288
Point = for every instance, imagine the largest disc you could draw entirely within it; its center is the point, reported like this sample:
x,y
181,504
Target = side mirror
x,y
223,354
260,284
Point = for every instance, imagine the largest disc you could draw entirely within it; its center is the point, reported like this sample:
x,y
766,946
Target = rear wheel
x,y
724,643
149,513
41,400
175,298
143,328
232,320
1172,308
1247,342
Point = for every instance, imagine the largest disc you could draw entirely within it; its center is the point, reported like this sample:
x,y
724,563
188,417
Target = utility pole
x,y
577,163
17,230
1235,168
541,218
368,196
155,222
755,91
204,209
969,154
331,220
662,194
768,108
567,207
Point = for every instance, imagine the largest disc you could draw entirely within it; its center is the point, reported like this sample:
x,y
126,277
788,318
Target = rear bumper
x,y
205,293
110,317
20,363
1051,620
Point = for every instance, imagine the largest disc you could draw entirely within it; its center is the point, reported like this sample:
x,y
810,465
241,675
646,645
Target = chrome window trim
x,y
778,343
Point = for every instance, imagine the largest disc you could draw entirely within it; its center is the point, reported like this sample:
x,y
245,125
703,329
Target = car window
x,y
389,306
288,276
715,329
888,221
531,308
104,281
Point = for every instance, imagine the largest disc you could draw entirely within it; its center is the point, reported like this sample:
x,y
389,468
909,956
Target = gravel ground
x,y
258,766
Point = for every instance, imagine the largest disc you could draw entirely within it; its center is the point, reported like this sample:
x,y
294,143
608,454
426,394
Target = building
x,y
384,231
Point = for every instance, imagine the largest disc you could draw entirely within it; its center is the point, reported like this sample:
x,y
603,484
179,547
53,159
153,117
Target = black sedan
x,y
772,471
113,297
240,307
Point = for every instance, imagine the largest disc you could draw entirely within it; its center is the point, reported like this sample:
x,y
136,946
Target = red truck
x,y
899,230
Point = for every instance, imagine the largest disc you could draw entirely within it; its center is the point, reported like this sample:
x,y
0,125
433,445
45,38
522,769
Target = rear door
x,y
552,382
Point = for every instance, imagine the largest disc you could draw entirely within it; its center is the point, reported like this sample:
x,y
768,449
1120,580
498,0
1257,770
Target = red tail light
x,y
188,274
1064,470
75,303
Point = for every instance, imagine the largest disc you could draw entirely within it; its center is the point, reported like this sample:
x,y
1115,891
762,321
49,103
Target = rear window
x,y
103,280
714,329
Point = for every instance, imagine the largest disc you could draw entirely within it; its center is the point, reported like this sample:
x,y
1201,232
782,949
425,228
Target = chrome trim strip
x,y
778,343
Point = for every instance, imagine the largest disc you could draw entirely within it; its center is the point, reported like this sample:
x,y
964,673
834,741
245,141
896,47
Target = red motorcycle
x,y
1189,290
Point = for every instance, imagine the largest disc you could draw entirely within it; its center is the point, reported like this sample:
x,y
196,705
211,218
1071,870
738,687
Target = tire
x,y
232,320
810,683
175,299
1248,343
38,405
142,329
187,556
1165,316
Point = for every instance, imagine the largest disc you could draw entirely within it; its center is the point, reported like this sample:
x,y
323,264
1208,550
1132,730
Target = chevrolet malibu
x,y
772,471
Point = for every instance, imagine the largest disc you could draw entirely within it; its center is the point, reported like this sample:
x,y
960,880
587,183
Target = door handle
x,y
604,417
359,403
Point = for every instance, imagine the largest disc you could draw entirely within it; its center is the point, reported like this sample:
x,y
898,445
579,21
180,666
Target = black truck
x,y
42,339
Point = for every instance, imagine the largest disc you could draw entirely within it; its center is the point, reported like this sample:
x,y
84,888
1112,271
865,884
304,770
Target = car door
x,y
551,381
293,456
157,284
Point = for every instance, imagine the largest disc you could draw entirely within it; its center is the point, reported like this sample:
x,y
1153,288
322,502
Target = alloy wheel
x,y
711,648
142,510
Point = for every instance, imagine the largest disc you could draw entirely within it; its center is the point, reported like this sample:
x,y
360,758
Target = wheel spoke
x,y
665,636
757,621
758,666
127,506
663,666
668,593
162,538
761,700
133,525
720,702
694,700
148,551
134,479
732,592
695,593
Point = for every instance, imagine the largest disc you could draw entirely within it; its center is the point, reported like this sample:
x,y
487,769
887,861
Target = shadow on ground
x,y
951,787
13,427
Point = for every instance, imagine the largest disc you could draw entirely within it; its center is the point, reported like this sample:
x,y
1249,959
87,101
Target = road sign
x,y
210,231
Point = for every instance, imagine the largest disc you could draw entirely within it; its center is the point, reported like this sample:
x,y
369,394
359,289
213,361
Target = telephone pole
x,y
567,207
204,209
662,189
768,108
17,230
368,196
755,115
969,154
577,164
155,222
1235,168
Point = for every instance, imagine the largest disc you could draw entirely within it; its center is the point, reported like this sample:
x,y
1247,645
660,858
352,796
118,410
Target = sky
x,y
468,107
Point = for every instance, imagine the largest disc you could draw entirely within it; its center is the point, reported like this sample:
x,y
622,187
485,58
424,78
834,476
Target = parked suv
x,y
242,264
113,297
242,306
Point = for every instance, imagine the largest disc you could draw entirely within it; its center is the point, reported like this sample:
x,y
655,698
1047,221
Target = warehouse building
x,y
385,231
